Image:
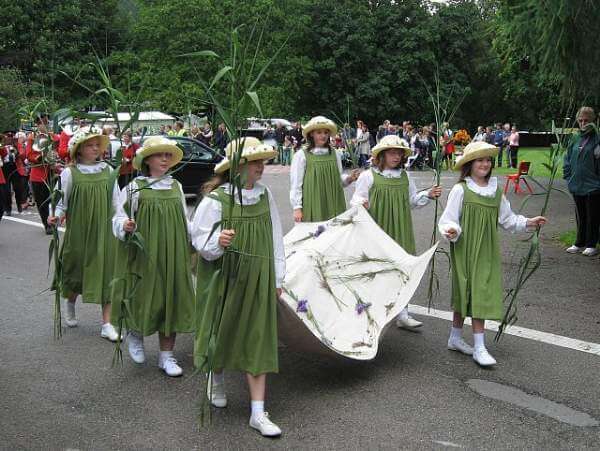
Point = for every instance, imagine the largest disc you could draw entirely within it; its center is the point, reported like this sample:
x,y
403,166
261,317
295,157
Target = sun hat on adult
x,y
154,145
391,142
317,123
85,134
475,150
252,149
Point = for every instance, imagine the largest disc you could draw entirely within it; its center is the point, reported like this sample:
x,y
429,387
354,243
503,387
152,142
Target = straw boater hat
x,y
252,149
317,123
476,150
391,142
85,134
157,144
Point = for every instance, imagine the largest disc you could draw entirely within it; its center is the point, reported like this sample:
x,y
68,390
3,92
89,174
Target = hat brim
x,y
332,128
377,150
225,164
475,155
161,148
104,143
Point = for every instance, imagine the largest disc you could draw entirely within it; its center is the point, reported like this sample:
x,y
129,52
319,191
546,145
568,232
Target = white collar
x,y
487,191
248,195
320,150
389,173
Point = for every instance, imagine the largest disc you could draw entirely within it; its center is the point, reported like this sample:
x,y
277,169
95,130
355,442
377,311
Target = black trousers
x,y
41,194
513,151
588,219
16,183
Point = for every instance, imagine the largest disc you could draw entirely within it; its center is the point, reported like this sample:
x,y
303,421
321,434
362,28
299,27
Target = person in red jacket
x,y
127,173
39,176
14,174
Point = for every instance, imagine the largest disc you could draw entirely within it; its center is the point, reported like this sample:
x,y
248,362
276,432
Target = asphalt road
x,y
414,395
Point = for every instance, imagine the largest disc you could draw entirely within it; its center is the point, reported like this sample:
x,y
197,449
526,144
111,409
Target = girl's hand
x,y
129,226
451,233
366,204
354,175
537,221
298,215
279,291
435,192
226,237
53,220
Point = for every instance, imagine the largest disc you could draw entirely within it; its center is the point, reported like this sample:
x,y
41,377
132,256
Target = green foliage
x,y
372,54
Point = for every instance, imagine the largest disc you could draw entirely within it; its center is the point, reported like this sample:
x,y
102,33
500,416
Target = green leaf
x,y
254,97
202,53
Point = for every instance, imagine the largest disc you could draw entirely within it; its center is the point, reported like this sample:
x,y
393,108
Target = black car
x,y
197,165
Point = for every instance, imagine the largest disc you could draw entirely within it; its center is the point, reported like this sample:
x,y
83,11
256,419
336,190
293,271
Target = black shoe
x,y
48,230
8,213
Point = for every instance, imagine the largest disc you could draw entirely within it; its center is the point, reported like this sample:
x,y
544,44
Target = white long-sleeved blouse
x,y
209,212
298,169
66,183
157,183
450,218
365,182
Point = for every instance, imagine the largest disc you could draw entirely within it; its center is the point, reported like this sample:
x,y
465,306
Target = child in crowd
x,y
388,192
163,300
475,208
317,181
240,276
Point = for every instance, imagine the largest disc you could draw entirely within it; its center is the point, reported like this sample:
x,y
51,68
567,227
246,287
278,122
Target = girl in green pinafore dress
x,y
239,280
388,193
317,183
88,189
475,208
163,300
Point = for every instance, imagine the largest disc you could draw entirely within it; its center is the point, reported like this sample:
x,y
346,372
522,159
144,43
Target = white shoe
x,y
70,319
109,332
460,346
265,426
483,357
408,323
135,346
590,251
216,393
170,367
574,249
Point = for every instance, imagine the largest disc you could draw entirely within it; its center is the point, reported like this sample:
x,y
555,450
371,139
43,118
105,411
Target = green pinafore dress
x,y
244,336
89,245
475,258
322,190
163,300
389,206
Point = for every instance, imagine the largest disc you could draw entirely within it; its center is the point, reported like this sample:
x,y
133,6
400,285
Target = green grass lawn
x,y
537,156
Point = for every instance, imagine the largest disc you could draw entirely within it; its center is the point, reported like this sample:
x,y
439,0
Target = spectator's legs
x,y
500,150
41,194
5,191
514,150
592,226
581,219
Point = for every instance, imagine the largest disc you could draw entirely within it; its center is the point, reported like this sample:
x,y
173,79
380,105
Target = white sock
x,y
258,408
479,340
164,355
455,333
403,314
218,378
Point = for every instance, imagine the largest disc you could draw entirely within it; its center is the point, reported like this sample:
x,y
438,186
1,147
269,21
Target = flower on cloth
x,y
319,231
362,306
302,306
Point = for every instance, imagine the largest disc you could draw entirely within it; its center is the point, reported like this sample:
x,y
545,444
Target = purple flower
x,y
361,307
319,231
302,306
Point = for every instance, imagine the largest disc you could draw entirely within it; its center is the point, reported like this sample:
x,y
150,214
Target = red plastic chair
x,y
519,177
